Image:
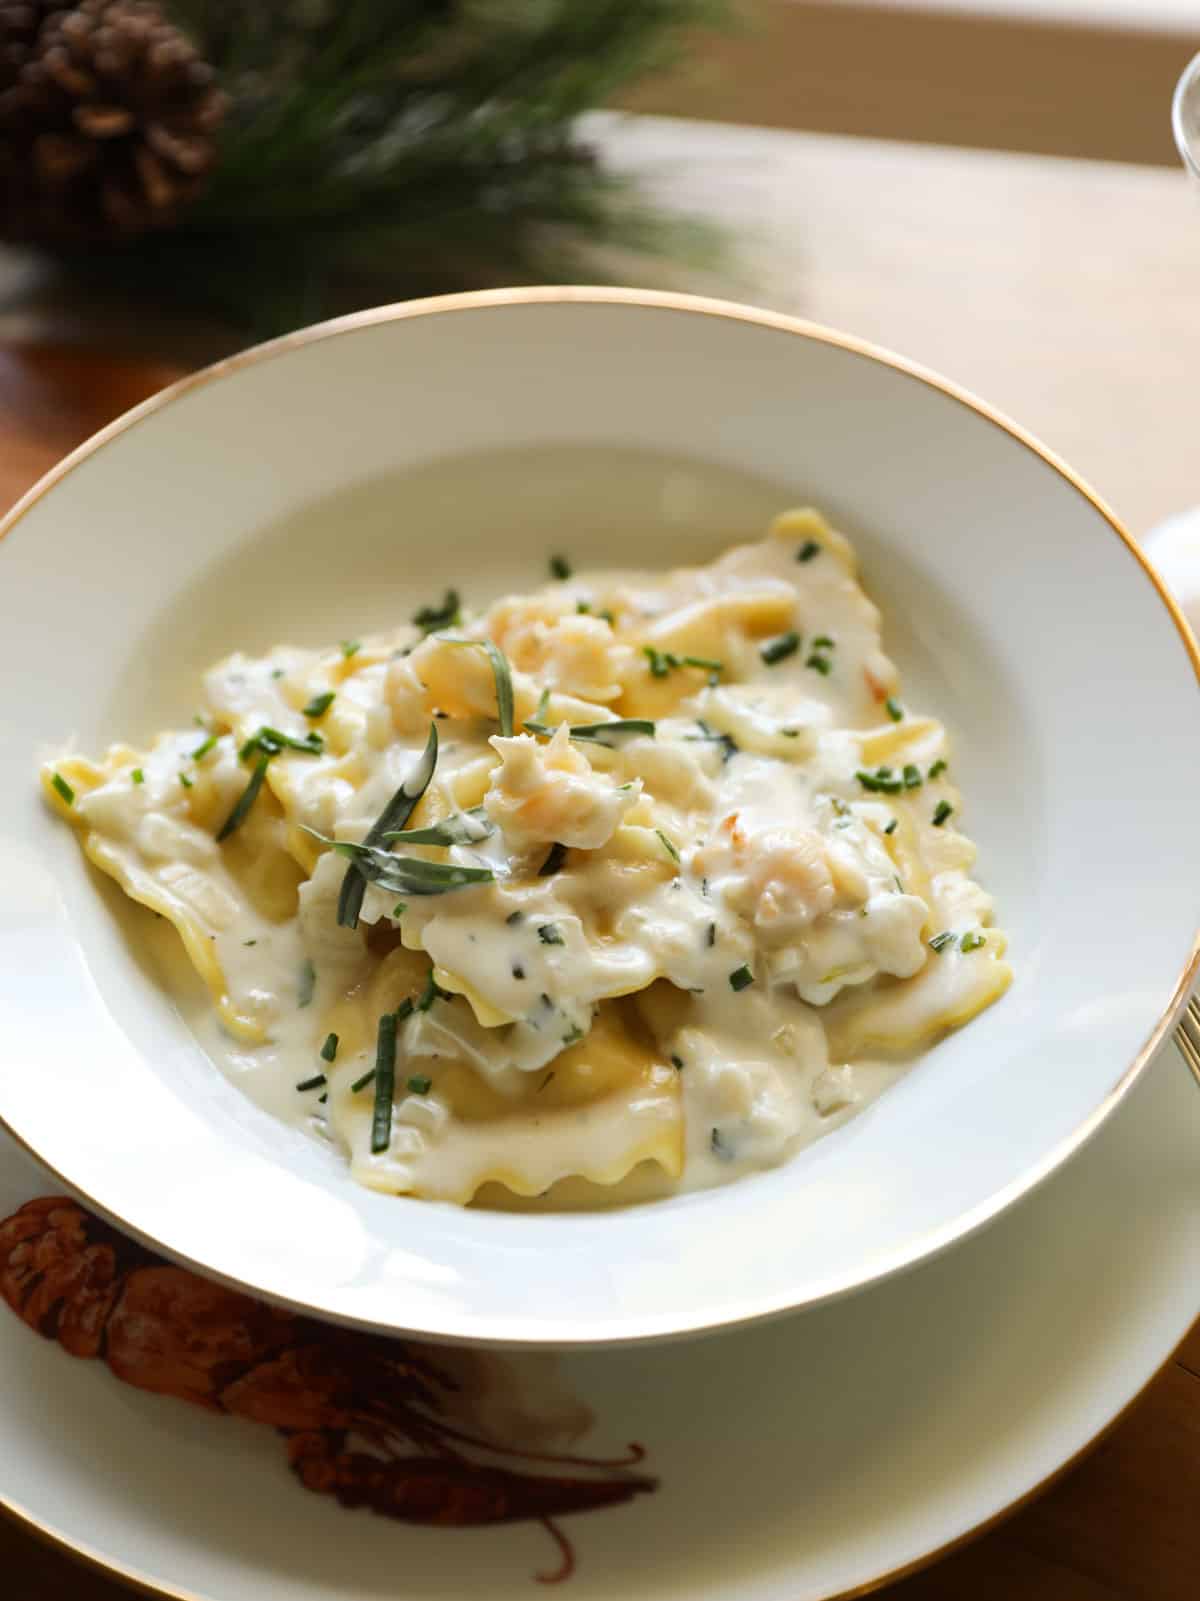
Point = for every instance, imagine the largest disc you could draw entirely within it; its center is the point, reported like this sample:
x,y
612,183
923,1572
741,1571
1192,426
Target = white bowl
x,y
315,487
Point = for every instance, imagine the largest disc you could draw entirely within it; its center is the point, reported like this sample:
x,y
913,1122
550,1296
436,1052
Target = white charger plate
x,y
805,1459
319,487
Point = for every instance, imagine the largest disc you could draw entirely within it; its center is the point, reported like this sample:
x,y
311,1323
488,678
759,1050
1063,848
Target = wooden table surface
x,y
1067,293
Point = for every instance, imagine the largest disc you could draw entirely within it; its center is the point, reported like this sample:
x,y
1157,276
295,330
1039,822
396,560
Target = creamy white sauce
x,y
702,945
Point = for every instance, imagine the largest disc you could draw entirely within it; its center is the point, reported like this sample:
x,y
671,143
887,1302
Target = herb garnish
x,y
741,978
663,662
677,1063
820,664
329,1049
718,1146
502,674
320,704
544,1082
394,815
385,1083
940,941
894,709
710,938
185,781
944,809
550,934
667,845
557,856
560,568
419,1084
313,1083
59,783
351,647
463,828
822,642
972,940
780,648
514,917
573,1035
432,992
807,550
203,750
138,776
399,910
402,1011
891,828
308,983
245,800
401,875
729,745
912,776
272,741
881,781
448,615
611,734
938,768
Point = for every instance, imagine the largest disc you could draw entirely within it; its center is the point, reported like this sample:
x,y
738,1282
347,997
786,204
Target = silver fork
x,y
1187,1037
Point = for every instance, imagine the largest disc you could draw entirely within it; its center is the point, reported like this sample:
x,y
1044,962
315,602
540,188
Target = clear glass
x,y
1185,117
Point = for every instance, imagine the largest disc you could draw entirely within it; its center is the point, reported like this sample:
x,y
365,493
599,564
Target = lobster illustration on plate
x,y
421,1435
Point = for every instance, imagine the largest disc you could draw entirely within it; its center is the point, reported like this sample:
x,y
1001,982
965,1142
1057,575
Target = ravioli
x,y
634,872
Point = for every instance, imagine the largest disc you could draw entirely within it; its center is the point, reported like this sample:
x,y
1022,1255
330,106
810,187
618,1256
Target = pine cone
x,y
108,119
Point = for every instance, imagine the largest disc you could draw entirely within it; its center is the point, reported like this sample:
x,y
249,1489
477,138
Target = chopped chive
x,y
706,662
138,776
820,664
245,800
940,941
448,615
185,781
822,642
307,984
891,828
313,1083
881,781
944,809
741,978
351,647
544,1082
557,856
894,709
249,942
677,1063
542,707
560,568
720,1146
399,909
661,662
361,1083
432,992
938,768
583,607
667,845
514,917
972,940
385,1083
808,550
59,783
329,1049
710,938
550,934
574,1035
394,815
518,972
277,672
419,1084
320,704
780,648
203,750
912,776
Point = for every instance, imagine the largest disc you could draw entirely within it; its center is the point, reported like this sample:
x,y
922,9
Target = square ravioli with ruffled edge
x,y
635,872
